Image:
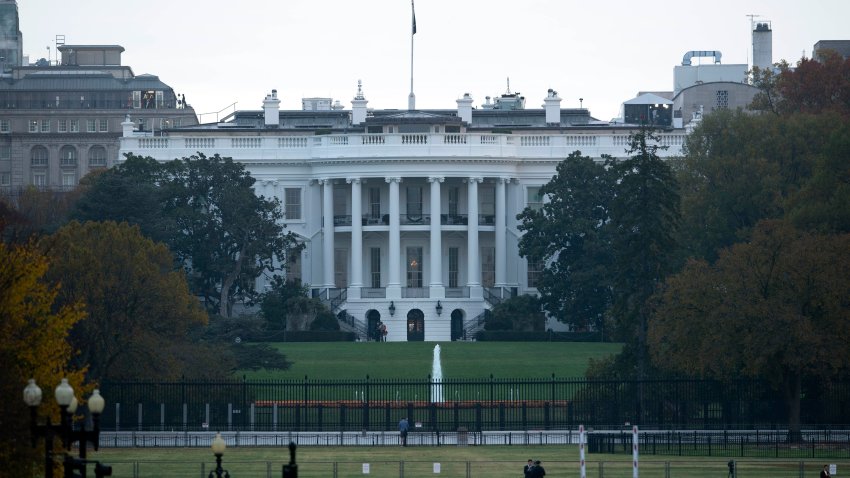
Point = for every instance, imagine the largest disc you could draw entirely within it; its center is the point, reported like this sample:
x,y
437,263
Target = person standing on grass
x,y
538,471
403,428
527,469
825,472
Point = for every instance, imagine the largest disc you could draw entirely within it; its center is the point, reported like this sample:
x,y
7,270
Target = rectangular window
x,y
39,179
374,204
103,125
69,179
91,126
159,99
375,261
488,266
137,99
534,200
535,268
45,126
5,179
339,201
74,126
341,268
488,206
292,203
453,266
62,126
722,99
5,126
414,203
454,196
5,153
414,267
33,126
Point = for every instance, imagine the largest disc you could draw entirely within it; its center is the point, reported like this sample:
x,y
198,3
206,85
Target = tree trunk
x,y
793,386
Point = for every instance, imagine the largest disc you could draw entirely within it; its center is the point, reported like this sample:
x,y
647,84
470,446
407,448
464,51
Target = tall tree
x,y
206,210
773,308
814,86
644,217
139,306
570,233
34,330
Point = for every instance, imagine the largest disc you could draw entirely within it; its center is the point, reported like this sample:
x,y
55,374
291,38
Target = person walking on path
x,y
403,428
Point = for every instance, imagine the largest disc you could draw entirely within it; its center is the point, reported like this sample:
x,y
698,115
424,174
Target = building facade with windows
x,y
60,121
407,216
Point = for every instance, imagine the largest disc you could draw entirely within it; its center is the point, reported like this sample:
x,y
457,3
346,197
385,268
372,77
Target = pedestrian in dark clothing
x,y
825,472
403,428
526,470
538,471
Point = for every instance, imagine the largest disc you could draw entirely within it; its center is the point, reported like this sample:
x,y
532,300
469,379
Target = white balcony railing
x,y
556,146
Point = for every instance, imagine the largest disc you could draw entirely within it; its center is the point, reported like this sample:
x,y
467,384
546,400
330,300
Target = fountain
x,y
437,377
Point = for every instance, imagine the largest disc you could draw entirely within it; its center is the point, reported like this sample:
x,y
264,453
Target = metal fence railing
x,y
477,405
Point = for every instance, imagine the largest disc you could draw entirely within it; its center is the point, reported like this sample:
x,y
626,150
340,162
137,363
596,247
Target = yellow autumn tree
x,y
34,345
138,304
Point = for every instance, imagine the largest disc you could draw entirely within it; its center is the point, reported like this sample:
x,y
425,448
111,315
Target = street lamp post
x,y
65,431
218,446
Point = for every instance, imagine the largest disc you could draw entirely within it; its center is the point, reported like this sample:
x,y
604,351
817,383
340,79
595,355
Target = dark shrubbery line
x,y
319,336
533,336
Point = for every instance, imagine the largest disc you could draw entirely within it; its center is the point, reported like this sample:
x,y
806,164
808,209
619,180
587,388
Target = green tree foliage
x,y
644,217
570,232
139,306
206,210
287,306
34,328
774,308
740,168
523,313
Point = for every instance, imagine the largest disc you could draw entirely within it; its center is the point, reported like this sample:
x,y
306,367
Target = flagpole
x,y
411,100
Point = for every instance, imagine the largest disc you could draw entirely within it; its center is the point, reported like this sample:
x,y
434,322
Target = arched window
x,y
68,156
38,157
97,157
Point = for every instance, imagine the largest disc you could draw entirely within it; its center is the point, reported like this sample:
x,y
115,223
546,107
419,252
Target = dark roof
x,y
82,80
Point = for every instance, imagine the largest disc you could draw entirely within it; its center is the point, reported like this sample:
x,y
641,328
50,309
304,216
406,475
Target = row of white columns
x,y
437,288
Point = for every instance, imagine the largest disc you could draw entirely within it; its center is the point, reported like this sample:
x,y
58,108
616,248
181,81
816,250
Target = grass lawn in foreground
x,y
488,461
388,360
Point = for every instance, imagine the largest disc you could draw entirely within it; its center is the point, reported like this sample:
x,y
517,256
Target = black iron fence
x,y
476,405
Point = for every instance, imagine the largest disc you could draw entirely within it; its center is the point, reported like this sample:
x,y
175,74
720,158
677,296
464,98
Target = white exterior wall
x,y
279,162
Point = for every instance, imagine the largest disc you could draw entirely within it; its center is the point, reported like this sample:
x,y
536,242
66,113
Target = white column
x,y
501,238
356,239
327,233
437,289
394,260
473,279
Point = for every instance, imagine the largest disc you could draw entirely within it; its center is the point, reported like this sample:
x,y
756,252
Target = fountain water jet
x,y
436,377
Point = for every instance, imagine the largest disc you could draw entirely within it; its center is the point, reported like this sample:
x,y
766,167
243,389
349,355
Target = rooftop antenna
x,y
508,92
752,17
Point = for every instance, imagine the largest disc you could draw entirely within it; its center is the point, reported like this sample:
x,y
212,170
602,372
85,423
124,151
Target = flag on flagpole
x,y
413,10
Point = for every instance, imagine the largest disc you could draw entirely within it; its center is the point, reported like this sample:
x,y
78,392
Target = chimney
x,y
552,104
358,106
271,109
464,108
127,127
762,46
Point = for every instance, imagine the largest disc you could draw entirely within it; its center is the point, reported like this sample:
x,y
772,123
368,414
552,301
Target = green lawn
x,y
345,360
489,461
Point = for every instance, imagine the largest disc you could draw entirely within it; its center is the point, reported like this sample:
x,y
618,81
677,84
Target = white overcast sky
x,y
219,52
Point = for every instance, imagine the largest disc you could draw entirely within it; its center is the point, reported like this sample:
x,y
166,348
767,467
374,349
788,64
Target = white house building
x,y
408,216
